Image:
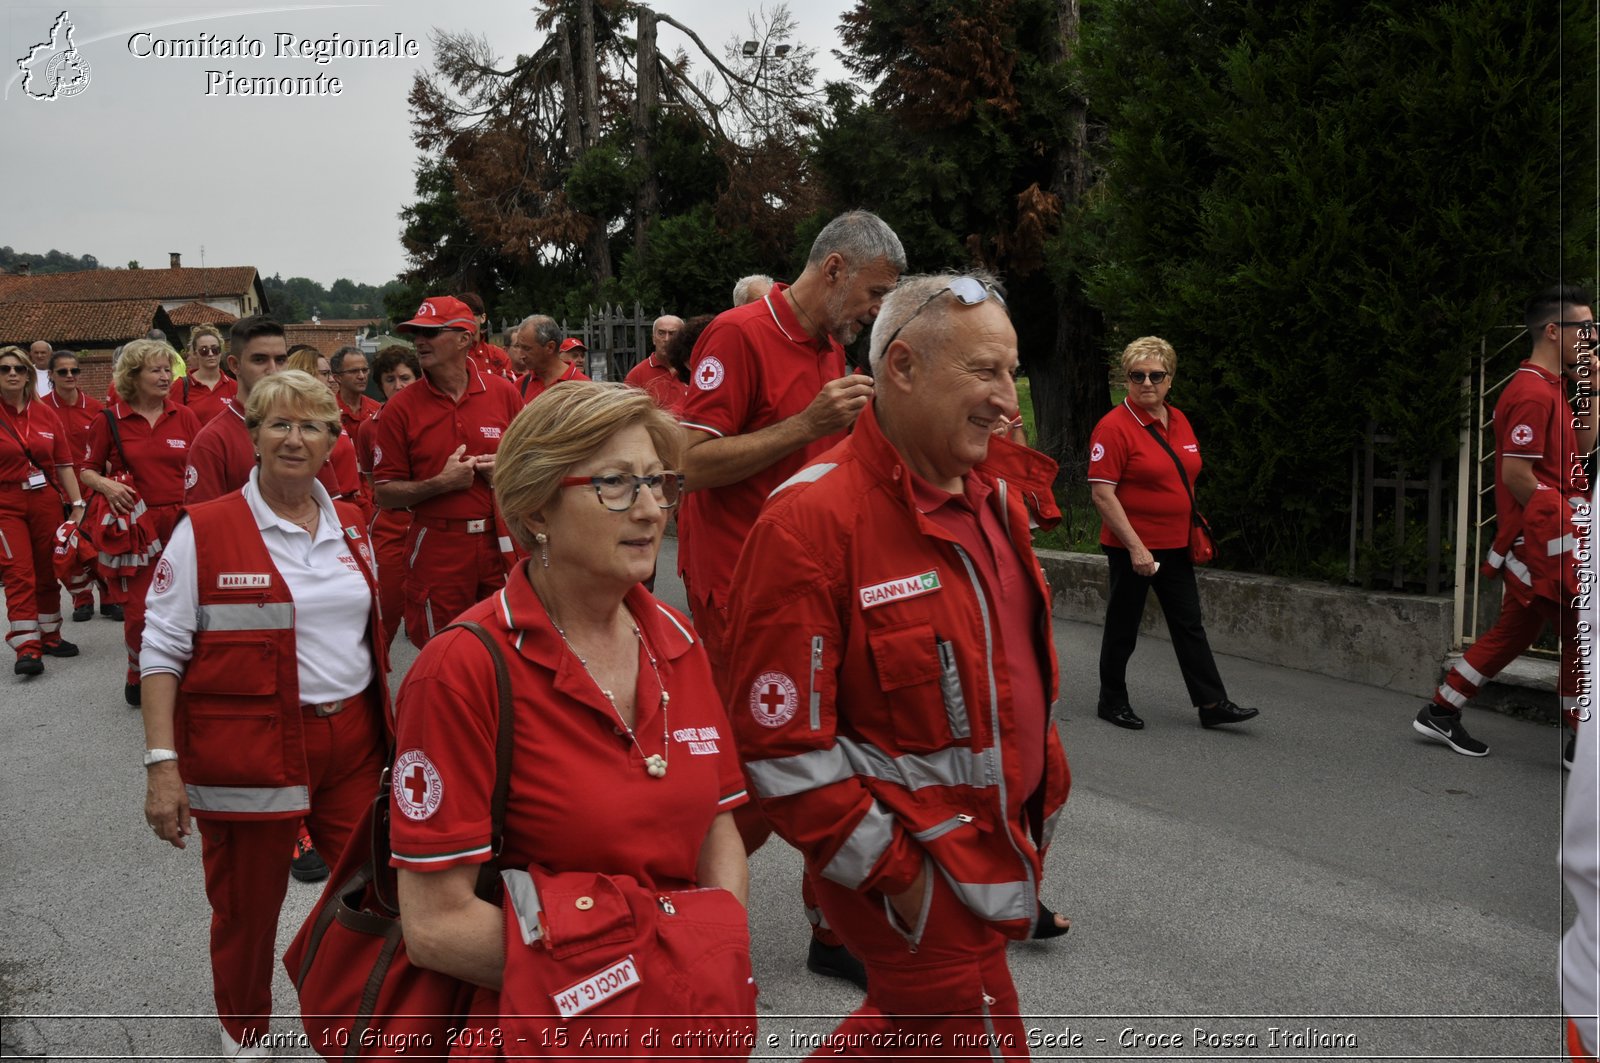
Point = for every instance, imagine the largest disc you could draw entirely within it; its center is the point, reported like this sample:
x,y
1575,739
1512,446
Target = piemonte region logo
x,y
55,69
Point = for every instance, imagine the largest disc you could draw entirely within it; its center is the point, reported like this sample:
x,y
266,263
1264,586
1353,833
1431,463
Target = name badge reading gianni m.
x,y
241,581
896,589
597,988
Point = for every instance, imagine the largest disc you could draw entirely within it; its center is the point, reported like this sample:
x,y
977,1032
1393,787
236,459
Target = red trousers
x,y
247,861
1513,632
946,979
28,522
389,528
447,570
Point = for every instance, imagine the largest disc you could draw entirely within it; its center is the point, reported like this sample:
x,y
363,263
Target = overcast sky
x,y
143,161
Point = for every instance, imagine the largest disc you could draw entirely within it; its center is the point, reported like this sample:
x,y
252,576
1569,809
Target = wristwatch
x,y
158,756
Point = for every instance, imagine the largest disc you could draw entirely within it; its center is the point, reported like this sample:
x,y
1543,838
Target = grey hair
x,y
336,363
545,329
917,293
859,237
741,287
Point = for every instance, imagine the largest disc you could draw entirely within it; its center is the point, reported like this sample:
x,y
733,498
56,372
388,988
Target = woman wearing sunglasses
x,y
77,409
35,472
206,386
622,762
1146,508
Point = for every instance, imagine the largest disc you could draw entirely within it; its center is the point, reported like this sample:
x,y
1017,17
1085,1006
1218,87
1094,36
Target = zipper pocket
x,y
955,702
939,830
815,692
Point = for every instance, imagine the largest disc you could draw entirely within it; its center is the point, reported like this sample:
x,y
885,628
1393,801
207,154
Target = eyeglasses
x,y
430,331
69,372
309,430
208,350
1583,327
1155,376
969,290
618,492
9,370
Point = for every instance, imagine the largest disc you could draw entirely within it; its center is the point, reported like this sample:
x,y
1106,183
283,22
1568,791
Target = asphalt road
x,y
1319,869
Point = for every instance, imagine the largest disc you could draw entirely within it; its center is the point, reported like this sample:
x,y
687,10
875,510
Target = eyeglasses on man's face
x,y
970,291
619,491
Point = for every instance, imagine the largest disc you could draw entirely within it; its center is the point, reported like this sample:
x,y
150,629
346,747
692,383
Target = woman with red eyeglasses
x,y
76,408
206,386
35,472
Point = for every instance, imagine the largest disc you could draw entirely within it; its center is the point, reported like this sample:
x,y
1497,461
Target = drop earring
x,y
544,554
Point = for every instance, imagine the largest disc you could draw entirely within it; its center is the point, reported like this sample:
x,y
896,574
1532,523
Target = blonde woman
x,y
206,386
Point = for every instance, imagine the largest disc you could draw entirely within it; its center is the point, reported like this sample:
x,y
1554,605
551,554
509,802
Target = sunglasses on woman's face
x,y
69,372
1156,377
13,370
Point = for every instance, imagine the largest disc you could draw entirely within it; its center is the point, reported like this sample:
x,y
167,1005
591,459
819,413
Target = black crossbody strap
x,y
489,873
1194,509
116,439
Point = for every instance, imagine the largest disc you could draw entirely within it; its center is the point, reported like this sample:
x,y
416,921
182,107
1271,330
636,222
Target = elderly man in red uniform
x,y
892,675
434,455
654,374
1540,444
539,338
769,392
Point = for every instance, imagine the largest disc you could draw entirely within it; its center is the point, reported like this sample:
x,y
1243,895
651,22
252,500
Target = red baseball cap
x,y
441,311
572,343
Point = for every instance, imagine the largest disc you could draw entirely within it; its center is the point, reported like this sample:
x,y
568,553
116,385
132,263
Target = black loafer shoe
x,y
82,613
836,961
1226,711
1121,715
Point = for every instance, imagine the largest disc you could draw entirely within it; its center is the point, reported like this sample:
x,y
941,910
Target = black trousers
x,y
1180,603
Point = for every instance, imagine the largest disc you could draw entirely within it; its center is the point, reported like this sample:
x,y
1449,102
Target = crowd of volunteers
x,y
576,772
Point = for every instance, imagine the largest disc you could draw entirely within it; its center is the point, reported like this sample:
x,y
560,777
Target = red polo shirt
x,y
972,520
159,453
1123,453
40,429
206,402
491,358
223,455
352,420
531,387
752,367
580,798
1532,420
421,428
661,382
75,420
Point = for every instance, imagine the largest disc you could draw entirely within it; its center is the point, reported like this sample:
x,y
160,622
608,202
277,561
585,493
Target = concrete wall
x,y
1396,641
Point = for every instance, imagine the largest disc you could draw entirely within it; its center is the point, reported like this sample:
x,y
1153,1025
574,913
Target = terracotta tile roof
x,y
357,323
324,337
123,284
198,313
74,324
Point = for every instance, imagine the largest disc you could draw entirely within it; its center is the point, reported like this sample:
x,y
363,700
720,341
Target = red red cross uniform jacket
x,y
1544,547
239,724
870,695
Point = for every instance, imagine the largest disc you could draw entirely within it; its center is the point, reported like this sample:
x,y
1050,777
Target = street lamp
x,y
777,53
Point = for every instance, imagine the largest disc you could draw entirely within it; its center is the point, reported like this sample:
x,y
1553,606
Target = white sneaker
x,y
232,1049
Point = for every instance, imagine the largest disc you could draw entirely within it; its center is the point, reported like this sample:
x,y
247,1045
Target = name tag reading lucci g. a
x,y
597,988
234,581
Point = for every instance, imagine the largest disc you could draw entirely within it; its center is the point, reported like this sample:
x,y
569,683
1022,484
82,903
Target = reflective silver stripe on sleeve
x,y
255,799
1518,569
808,475
997,901
1564,545
803,772
524,897
861,851
271,616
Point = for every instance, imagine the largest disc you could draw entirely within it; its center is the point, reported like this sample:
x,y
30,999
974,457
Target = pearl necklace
x,y
655,765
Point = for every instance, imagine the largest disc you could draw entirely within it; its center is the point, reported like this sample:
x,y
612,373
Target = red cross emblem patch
x,y
773,699
709,374
418,788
